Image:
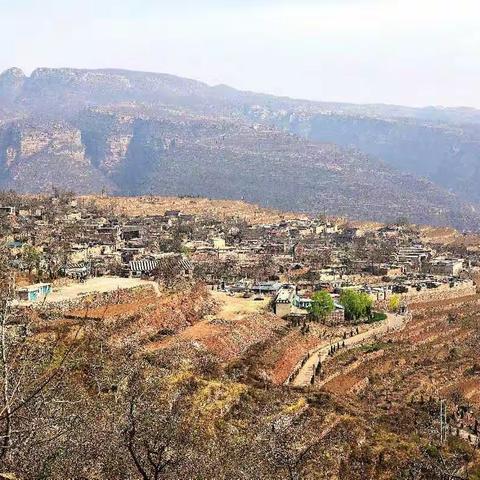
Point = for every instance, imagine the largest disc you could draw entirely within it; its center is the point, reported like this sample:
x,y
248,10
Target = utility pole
x,y
443,421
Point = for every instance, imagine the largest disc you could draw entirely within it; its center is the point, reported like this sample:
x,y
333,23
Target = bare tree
x,y
26,378
153,434
291,446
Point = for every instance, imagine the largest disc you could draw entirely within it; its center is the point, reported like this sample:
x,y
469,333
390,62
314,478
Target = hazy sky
x,y
412,52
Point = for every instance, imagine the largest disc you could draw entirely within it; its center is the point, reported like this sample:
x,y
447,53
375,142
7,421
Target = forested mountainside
x,y
137,133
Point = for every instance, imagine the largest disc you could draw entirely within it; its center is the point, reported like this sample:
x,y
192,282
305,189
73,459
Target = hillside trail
x,y
391,323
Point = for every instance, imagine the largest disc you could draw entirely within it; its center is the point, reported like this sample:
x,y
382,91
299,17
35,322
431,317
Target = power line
x,y
443,421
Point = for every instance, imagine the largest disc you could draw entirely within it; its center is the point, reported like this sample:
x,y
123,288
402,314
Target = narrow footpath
x,y
320,354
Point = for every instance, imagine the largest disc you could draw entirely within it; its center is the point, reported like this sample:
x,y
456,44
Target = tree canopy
x,y
394,303
322,305
357,304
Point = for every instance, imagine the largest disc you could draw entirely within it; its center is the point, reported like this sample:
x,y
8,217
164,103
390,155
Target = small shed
x,y
76,270
270,288
34,292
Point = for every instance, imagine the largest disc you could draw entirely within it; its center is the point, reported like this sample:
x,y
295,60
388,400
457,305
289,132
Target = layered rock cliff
x,y
137,133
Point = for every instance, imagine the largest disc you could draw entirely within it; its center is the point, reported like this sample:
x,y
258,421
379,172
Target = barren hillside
x,y
204,207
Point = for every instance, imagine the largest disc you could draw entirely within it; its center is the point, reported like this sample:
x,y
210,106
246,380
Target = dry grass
x,y
220,209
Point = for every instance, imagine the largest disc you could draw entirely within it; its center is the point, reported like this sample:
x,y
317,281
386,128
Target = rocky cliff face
x,y
21,141
141,133
11,84
35,157
449,155
106,137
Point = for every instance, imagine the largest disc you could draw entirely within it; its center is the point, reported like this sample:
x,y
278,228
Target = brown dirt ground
x,y
220,209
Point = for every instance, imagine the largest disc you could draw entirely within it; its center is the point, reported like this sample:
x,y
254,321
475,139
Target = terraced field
x,y
434,357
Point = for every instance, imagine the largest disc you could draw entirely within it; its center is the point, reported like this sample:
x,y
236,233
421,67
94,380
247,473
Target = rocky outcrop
x,y
449,155
22,140
36,156
11,84
106,137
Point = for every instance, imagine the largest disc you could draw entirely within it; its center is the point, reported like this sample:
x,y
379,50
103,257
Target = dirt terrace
x,y
434,356
237,325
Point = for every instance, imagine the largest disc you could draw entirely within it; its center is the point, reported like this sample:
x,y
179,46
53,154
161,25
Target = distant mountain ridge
x,y
135,133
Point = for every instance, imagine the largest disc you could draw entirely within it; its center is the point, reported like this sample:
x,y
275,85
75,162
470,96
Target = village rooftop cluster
x,y
54,241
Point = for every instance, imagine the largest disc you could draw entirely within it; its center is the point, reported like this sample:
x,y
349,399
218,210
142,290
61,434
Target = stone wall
x,y
443,292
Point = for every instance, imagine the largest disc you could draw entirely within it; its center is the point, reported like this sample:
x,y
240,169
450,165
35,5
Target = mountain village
x,y
57,240
227,279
